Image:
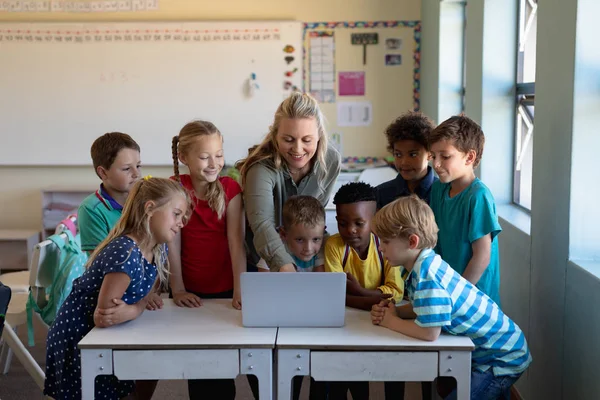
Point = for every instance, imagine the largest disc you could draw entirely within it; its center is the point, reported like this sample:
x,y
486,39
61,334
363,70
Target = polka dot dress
x,y
76,318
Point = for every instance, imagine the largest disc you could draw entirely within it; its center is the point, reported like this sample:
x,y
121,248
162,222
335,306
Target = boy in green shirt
x,y
116,159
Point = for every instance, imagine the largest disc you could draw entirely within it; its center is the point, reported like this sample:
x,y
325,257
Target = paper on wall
x,y
354,113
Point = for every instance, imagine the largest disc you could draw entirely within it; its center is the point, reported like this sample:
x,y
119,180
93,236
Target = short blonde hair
x,y
304,210
404,217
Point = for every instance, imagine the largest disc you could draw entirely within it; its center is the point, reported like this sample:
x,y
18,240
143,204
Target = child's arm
x,y
365,302
236,223
483,228
111,310
406,311
384,314
482,252
180,296
155,302
394,285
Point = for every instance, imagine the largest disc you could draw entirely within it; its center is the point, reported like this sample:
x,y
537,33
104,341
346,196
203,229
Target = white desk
x,y
180,343
361,351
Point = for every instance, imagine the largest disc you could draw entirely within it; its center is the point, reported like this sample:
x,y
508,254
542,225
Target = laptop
x,y
288,299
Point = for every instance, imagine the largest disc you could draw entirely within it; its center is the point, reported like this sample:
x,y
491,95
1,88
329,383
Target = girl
x,y
293,159
116,286
208,257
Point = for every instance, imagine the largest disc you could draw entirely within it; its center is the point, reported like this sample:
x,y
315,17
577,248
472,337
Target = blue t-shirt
x,y
441,297
463,219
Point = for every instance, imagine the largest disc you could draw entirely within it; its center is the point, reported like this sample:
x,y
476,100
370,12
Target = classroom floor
x,y
18,385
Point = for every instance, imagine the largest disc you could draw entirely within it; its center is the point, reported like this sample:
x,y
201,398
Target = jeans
x,y
486,386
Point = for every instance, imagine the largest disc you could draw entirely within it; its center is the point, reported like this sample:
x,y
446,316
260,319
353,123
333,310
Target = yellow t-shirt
x,y
367,272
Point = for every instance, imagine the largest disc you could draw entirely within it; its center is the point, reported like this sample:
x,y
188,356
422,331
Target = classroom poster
x,y
352,83
322,66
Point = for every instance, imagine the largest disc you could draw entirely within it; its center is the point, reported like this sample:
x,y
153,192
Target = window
x,y
525,103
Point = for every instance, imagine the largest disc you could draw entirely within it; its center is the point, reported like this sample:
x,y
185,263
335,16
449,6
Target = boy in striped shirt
x,y
442,300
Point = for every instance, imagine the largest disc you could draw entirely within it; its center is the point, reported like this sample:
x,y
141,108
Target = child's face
x,y
396,250
297,139
410,159
303,241
449,162
124,172
166,222
205,158
354,222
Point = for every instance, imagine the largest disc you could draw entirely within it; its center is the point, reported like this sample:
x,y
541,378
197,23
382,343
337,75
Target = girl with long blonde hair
x,y
117,284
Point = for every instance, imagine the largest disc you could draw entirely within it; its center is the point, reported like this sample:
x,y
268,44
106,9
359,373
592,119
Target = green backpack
x,y
63,267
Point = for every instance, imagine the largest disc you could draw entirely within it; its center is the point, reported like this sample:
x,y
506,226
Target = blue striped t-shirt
x,y
442,297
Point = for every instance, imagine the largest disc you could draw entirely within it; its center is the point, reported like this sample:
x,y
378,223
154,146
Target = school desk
x,y
208,342
361,351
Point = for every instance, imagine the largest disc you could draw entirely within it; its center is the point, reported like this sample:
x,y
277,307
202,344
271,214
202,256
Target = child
x,y
115,286
407,139
302,233
208,257
355,251
116,159
463,206
442,300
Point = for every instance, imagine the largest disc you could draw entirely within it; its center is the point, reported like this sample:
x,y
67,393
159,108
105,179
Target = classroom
x,y
219,97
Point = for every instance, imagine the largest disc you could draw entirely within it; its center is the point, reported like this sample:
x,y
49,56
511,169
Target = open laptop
x,y
299,300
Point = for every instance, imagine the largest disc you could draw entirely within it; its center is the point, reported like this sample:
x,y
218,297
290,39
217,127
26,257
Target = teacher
x,y
293,159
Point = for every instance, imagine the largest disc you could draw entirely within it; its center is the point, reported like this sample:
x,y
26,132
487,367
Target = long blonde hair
x,y
215,194
136,221
297,105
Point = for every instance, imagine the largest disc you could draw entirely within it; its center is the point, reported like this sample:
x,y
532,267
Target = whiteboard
x,y
64,84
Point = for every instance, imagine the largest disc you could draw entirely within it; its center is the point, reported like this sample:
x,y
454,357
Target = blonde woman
x,y
293,159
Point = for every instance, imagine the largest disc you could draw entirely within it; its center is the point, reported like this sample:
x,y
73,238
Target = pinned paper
x,y
352,83
354,113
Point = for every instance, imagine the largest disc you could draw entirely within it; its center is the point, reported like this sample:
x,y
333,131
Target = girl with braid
x,y
208,256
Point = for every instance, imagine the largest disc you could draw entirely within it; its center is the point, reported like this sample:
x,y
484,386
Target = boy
x,y
355,251
302,233
463,206
407,139
442,300
116,159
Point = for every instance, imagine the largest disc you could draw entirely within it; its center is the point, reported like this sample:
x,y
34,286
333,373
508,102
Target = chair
x,y
377,176
18,282
45,256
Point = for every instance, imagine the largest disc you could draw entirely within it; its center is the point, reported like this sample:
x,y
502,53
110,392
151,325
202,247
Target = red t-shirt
x,y
205,258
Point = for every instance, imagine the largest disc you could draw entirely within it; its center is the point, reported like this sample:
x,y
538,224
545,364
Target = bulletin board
x,y
362,88
65,84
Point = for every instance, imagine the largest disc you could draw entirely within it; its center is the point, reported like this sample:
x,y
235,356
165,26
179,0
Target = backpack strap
x,y
345,259
381,260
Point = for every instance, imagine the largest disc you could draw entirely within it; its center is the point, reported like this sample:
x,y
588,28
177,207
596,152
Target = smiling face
x,y
166,221
297,140
410,159
450,163
303,241
204,158
354,223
